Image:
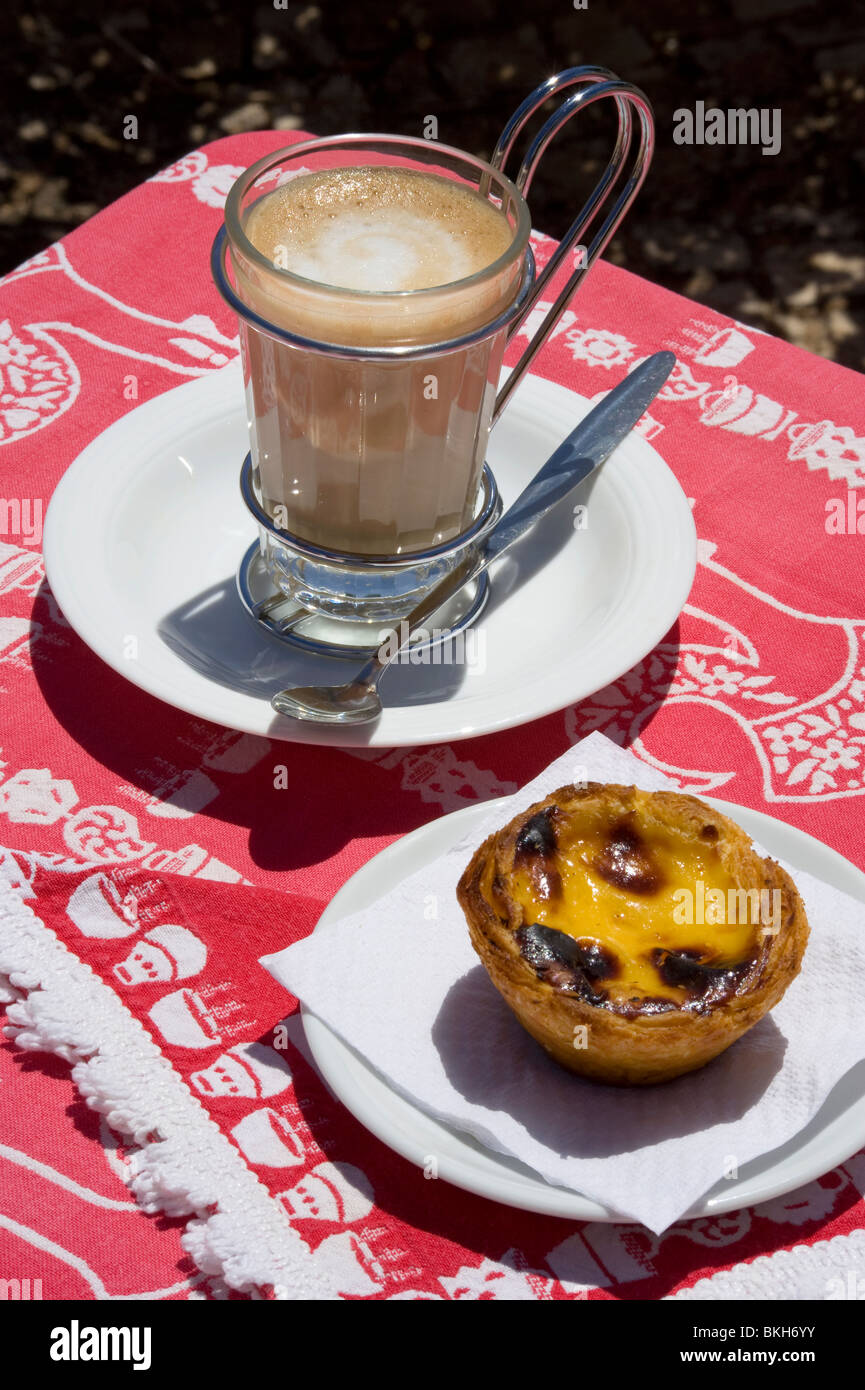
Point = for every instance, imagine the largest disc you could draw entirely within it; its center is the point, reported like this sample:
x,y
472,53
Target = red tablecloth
x,y
757,694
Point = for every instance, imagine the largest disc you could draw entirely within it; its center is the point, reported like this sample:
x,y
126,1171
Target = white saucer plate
x,y
836,1132
146,529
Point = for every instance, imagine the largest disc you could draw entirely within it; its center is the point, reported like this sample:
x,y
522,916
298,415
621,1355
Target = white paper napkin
x,y
402,985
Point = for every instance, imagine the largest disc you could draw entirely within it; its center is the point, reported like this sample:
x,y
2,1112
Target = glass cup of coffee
x,y
377,280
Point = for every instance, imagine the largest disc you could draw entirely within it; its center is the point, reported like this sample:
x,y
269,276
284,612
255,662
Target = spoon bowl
x,y
354,703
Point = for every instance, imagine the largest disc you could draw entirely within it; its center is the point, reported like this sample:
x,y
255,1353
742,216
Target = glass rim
x,y
247,180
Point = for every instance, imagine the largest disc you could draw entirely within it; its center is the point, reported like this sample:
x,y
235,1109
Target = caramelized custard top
x,y
605,916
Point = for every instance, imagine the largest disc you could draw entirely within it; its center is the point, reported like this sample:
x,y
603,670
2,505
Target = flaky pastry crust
x,y
565,1013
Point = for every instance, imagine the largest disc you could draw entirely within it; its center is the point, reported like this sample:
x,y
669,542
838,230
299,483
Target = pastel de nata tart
x,y
635,935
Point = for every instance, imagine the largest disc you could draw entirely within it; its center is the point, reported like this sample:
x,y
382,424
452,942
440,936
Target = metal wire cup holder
x,y
596,84
329,583
312,581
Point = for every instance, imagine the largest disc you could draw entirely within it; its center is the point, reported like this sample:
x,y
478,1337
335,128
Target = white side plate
x,y
146,529
836,1132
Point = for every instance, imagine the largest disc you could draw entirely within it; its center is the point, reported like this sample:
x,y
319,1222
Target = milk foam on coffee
x,y
356,235
378,229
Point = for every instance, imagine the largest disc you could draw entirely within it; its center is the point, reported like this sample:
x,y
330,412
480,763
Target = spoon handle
x,y
586,447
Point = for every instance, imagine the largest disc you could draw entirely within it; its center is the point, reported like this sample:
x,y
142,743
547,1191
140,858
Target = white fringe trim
x,y
185,1166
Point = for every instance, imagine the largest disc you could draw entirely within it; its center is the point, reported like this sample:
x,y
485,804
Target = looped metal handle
x,y
596,84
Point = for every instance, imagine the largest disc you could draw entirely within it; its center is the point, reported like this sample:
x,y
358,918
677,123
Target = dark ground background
x,y
777,241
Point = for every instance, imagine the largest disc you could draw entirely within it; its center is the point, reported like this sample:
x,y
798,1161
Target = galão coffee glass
x,y
370,409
